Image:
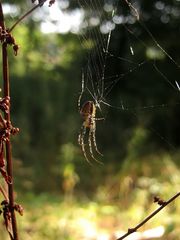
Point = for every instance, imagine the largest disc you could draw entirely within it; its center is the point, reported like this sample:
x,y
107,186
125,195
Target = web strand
x,y
99,83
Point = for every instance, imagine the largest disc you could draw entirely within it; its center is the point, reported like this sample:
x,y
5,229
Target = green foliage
x,y
42,100
49,217
46,81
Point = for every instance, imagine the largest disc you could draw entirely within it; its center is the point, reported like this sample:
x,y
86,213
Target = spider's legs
x,y
81,137
94,140
90,139
82,90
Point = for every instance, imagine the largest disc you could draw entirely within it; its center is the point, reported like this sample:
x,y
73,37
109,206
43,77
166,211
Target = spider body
x,y
88,114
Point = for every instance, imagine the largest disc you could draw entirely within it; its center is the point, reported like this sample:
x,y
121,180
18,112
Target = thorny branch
x,y
162,204
6,129
8,206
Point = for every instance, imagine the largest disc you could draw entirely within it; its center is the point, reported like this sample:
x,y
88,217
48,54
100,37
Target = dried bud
x,y
7,135
14,130
51,2
4,203
8,179
130,230
41,2
159,200
156,199
19,209
4,104
16,48
10,39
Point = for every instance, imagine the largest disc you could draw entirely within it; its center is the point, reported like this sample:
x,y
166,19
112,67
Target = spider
x,y
88,114
95,85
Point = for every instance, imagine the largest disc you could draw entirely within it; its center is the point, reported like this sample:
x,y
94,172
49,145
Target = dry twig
x,y
162,204
8,205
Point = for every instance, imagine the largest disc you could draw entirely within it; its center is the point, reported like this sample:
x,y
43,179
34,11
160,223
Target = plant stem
x,y
25,15
8,144
132,230
6,90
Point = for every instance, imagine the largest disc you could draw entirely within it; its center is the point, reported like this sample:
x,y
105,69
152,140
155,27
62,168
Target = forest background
x,y
140,145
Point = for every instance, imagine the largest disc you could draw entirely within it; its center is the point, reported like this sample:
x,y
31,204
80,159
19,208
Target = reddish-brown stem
x,y
134,229
7,118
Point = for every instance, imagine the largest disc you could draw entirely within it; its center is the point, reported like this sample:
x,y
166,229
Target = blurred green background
x,y
63,196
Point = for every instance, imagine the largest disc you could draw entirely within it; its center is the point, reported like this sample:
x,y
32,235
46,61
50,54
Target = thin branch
x,y
164,204
25,15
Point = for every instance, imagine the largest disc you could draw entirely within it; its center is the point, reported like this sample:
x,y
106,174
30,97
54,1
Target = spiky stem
x,y
6,92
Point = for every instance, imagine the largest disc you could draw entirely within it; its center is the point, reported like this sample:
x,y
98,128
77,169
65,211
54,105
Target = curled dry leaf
x,y
19,209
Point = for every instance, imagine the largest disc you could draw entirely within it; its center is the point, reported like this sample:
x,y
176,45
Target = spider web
x,y
142,53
